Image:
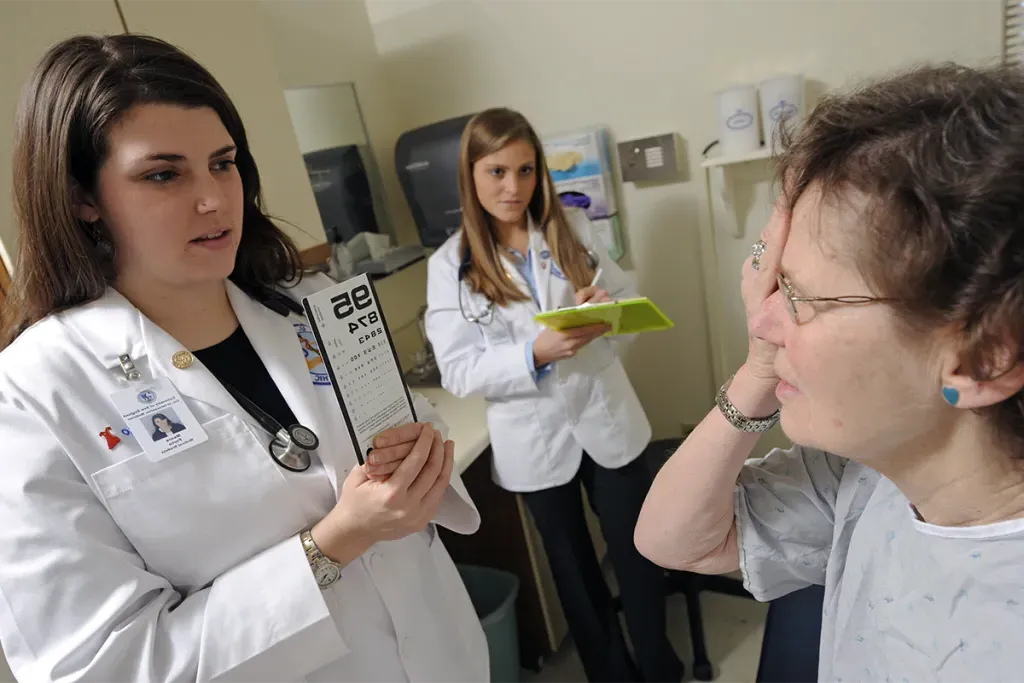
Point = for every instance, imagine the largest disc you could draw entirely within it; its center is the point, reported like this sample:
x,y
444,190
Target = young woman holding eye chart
x,y
181,499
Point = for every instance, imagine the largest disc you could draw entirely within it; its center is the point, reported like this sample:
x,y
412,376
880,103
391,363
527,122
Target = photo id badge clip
x,y
158,418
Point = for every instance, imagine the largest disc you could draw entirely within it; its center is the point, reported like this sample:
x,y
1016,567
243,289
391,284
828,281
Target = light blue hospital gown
x,y
904,600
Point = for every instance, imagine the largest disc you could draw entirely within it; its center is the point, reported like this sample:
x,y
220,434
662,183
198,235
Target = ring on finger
x,y
757,251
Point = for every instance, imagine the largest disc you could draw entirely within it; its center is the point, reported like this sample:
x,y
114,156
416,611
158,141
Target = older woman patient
x,y
885,307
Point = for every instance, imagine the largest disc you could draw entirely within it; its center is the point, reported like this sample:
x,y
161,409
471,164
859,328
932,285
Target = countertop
x,y
467,423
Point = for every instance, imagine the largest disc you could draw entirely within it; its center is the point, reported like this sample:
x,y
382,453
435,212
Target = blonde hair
x,y
486,133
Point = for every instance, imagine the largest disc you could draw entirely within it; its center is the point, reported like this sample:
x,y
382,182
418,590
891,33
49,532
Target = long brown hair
x,y
486,133
82,87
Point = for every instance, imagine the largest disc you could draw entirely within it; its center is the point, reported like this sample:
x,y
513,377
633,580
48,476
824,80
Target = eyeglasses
x,y
792,300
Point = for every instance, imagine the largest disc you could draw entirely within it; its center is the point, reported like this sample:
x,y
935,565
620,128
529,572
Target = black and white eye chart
x,y
361,360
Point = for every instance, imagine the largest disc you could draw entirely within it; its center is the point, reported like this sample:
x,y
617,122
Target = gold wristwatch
x,y
325,570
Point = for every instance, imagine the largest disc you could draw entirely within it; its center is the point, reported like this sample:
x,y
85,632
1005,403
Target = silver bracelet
x,y
737,419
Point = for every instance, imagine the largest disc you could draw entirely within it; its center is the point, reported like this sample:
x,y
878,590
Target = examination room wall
x,y
641,68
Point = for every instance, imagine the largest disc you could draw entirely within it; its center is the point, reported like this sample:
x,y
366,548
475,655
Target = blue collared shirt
x,y
525,268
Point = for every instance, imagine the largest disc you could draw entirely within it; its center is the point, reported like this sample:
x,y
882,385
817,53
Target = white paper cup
x,y
782,104
738,132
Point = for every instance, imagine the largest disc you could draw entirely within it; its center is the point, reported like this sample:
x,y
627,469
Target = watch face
x,y
326,573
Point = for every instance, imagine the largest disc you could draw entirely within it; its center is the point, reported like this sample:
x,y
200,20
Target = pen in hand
x,y
593,283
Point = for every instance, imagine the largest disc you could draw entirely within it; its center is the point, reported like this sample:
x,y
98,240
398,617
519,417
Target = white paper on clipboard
x,y
357,348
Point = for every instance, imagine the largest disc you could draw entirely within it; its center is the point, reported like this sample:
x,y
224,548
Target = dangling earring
x,y
103,246
106,249
950,395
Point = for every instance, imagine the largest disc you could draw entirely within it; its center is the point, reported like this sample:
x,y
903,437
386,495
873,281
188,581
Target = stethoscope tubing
x,y
592,260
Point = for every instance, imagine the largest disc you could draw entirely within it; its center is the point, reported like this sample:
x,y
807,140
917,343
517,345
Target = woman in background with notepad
x,y
561,411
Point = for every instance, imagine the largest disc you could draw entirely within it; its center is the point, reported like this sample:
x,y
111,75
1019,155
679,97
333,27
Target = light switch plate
x,y
649,159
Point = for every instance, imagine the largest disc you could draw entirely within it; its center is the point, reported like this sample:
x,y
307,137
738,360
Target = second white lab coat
x,y
114,567
538,430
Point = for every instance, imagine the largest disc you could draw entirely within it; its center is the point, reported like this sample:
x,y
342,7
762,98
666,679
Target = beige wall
x,y
325,117
27,30
647,67
401,296
323,42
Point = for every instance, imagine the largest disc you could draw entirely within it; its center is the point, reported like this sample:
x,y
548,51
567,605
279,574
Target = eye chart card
x,y
361,359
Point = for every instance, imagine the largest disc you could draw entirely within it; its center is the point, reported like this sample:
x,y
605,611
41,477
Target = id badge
x,y
158,418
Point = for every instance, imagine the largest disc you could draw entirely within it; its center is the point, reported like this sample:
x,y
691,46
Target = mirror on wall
x,y
343,172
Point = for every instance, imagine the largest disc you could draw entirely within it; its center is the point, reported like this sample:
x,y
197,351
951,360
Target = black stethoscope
x,y
487,317
290,447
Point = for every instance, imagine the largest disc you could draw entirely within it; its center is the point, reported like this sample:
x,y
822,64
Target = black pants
x,y
616,496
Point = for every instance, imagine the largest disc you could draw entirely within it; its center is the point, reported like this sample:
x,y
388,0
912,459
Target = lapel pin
x,y
112,439
182,360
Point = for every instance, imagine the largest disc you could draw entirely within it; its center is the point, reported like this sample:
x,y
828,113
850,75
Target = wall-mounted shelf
x,y
719,171
762,153
723,176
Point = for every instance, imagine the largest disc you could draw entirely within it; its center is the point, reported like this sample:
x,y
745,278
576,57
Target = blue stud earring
x,y
951,395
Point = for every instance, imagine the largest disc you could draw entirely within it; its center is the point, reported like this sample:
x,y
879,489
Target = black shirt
x,y
235,362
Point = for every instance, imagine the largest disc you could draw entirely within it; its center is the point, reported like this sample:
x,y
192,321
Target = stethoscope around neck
x,y
290,447
487,317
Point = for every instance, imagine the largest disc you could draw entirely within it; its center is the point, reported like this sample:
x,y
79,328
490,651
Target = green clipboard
x,y
628,316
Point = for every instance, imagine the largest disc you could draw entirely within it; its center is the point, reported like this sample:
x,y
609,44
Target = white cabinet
x,y
27,29
229,38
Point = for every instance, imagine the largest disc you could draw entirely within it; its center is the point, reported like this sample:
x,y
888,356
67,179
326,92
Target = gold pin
x,y
182,360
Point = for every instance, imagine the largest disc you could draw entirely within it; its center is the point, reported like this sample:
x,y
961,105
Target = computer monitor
x,y
342,191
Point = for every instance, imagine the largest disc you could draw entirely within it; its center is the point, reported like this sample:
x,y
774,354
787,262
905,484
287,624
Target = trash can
x,y
493,593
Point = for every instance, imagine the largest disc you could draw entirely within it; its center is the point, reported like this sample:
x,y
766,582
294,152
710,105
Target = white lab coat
x,y
117,568
538,430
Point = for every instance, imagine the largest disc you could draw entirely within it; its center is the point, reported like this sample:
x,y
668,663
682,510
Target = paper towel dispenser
x,y
427,162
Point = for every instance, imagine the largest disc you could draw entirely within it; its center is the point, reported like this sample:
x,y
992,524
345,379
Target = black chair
x,y
792,631
689,584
